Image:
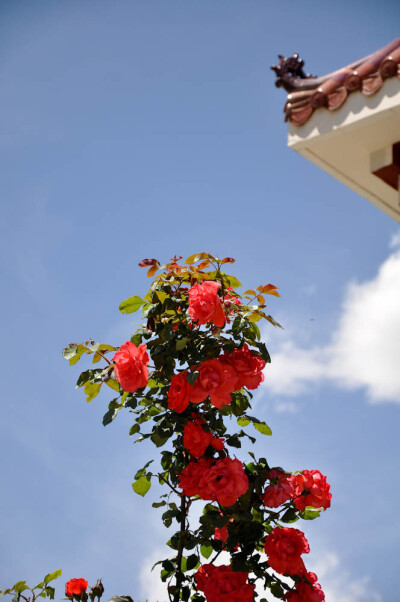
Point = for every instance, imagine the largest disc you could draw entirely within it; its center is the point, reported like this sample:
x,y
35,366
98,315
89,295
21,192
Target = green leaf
x,y
141,486
159,439
110,415
254,316
243,421
113,384
49,592
136,339
73,353
192,562
193,258
70,351
134,429
191,377
161,295
181,344
206,551
232,281
263,352
276,590
290,516
310,513
159,504
91,390
262,427
20,586
238,324
52,576
130,305
4,592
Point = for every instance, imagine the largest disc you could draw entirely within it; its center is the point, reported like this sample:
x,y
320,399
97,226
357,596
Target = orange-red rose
x,y
202,575
192,474
178,393
205,305
216,379
131,366
225,481
196,439
279,491
307,590
75,587
284,547
222,533
312,489
247,365
222,584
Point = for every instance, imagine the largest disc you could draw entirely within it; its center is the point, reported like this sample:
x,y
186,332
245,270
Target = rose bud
x,y
97,590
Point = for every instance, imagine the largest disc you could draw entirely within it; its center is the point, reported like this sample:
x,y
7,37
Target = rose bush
x,y
187,376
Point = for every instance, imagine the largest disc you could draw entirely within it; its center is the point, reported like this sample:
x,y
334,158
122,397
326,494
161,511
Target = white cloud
x,y
339,584
395,240
151,586
364,351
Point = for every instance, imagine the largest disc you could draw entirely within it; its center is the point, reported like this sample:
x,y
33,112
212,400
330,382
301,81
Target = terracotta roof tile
x,y
306,92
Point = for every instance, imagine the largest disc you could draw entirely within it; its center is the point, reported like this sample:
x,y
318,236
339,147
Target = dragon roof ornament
x,y
308,92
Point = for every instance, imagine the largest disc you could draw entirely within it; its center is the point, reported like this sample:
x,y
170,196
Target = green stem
x,y
180,549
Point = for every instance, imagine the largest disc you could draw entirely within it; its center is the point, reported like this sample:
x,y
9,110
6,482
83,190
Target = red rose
x,y
222,584
307,590
247,365
225,481
178,393
196,439
205,305
312,488
190,476
284,547
280,489
218,443
221,533
202,575
131,366
75,587
217,380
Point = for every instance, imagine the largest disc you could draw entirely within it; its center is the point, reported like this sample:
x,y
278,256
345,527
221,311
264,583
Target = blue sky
x,y
132,130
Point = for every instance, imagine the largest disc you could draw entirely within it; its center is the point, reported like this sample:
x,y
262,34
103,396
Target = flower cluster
x,y
204,343
217,379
